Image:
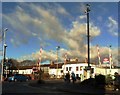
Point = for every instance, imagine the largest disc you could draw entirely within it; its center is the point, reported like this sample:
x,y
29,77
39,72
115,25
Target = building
x,y
79,68
24,70
106,70
55,70
45,68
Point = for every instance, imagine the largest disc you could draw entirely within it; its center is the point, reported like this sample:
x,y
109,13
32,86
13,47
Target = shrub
x,y
40,81
109,80
100,80
89,82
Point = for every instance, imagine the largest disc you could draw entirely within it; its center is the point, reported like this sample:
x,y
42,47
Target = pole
x,y
88,35
40,58
57,63
110,58
4,51
99,55
88,40
5,46
65,61
57,48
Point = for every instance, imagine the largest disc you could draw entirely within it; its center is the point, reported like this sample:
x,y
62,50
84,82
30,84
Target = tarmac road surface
x,y
23,88
51,87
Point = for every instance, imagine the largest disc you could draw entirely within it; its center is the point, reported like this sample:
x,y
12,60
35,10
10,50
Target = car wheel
x,y
15,80
26,79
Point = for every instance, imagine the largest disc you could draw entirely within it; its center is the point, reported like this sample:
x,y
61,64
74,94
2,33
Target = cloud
x,y
72,54
77,36
41,23
61,10
44,24
45,55
75,40
82,17
113,26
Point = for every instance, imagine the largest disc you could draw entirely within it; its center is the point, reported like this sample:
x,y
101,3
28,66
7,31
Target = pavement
x,y
77,88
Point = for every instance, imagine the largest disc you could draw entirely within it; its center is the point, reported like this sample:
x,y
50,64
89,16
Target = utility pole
x,y
88,40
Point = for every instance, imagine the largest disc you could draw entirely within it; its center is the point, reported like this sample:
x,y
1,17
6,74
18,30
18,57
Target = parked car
x,y
18,77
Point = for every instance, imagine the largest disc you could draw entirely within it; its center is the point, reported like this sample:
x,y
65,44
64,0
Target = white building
x,y
79,68
106,70
56,70
25,71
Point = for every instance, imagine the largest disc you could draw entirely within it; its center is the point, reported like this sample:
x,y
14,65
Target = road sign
x,y
106,60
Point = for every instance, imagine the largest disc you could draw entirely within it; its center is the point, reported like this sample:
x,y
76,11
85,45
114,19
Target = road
x,y
54,87
23,88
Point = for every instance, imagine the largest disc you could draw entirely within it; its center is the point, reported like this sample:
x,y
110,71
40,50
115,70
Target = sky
x,y
46,25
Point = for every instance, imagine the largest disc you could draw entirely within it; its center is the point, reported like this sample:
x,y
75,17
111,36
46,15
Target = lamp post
x,y
4,51
4,60
88,40
110,58
57,48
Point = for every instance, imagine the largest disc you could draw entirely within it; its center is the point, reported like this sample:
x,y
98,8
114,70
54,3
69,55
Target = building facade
x,y
55,70
79,68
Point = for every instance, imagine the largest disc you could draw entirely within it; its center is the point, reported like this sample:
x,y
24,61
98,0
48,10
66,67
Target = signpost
x,y
106,60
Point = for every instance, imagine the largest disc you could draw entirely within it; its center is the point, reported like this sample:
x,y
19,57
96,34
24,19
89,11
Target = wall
x,y
53,71
106,71
81,69
27,71
45,69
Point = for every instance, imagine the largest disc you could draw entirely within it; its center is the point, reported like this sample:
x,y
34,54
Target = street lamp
x,y
4,60
4,51
57,48
110,57
88,40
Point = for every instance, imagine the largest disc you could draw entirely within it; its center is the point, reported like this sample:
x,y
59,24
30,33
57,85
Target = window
x,y
61,71
80,68
70,68
66,68
77,68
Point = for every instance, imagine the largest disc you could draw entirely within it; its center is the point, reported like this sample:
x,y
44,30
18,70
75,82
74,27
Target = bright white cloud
x,y
113,22
75,39
113,26
82,17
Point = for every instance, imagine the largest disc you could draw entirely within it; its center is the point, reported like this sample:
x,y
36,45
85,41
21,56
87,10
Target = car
x,y
18,77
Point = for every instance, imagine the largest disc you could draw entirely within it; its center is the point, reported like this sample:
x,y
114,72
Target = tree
x,y
14,64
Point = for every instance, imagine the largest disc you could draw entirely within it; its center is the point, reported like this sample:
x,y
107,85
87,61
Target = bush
x,y
40,81
88,82
100,80
109,80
